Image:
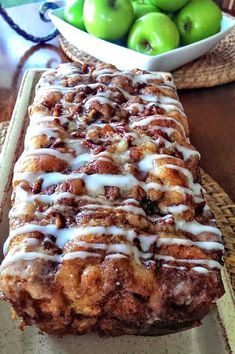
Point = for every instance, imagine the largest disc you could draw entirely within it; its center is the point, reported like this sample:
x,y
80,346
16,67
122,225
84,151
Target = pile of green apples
x,y
147,26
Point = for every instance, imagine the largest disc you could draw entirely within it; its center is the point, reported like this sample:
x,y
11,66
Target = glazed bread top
x,y
107,173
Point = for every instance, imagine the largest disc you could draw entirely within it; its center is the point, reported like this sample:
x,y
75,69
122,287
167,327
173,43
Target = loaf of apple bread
x,y
109,227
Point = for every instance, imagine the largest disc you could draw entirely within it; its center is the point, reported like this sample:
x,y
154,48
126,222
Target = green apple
x,y
108,19
170,14
145,2
73,14
153,34
199,19
141,9
169,5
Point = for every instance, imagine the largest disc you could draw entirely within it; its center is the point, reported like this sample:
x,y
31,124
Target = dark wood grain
x,y
212,128
210,111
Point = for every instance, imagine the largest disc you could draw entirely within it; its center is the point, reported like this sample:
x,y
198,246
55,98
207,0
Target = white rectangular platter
x,y
216,335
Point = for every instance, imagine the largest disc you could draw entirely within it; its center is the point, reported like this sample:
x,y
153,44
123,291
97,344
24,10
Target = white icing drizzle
x,y
124,249
166,130
96,183
195,228
145,78
31,256
101,100
76,145
162,99
73,233
195,269
67,157
31,241
40,117
118,248
167,107
147,163
44,90
132,209
128,208
137,78
186,152
38,130
79,254
23,196
52,132
175,267
208,262
145,121
206,245
27,256
74,162
196,187
46,151
175,209
115,255
65,235
147,241
200,270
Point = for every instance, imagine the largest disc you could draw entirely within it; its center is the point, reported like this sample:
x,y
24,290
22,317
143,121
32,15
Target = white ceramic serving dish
x,y
214,336
125,58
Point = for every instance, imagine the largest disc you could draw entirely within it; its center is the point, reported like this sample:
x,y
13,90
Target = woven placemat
x,y
215,68
220,203
3,132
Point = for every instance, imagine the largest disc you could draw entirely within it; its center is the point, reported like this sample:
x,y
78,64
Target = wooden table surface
x,y
210,111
